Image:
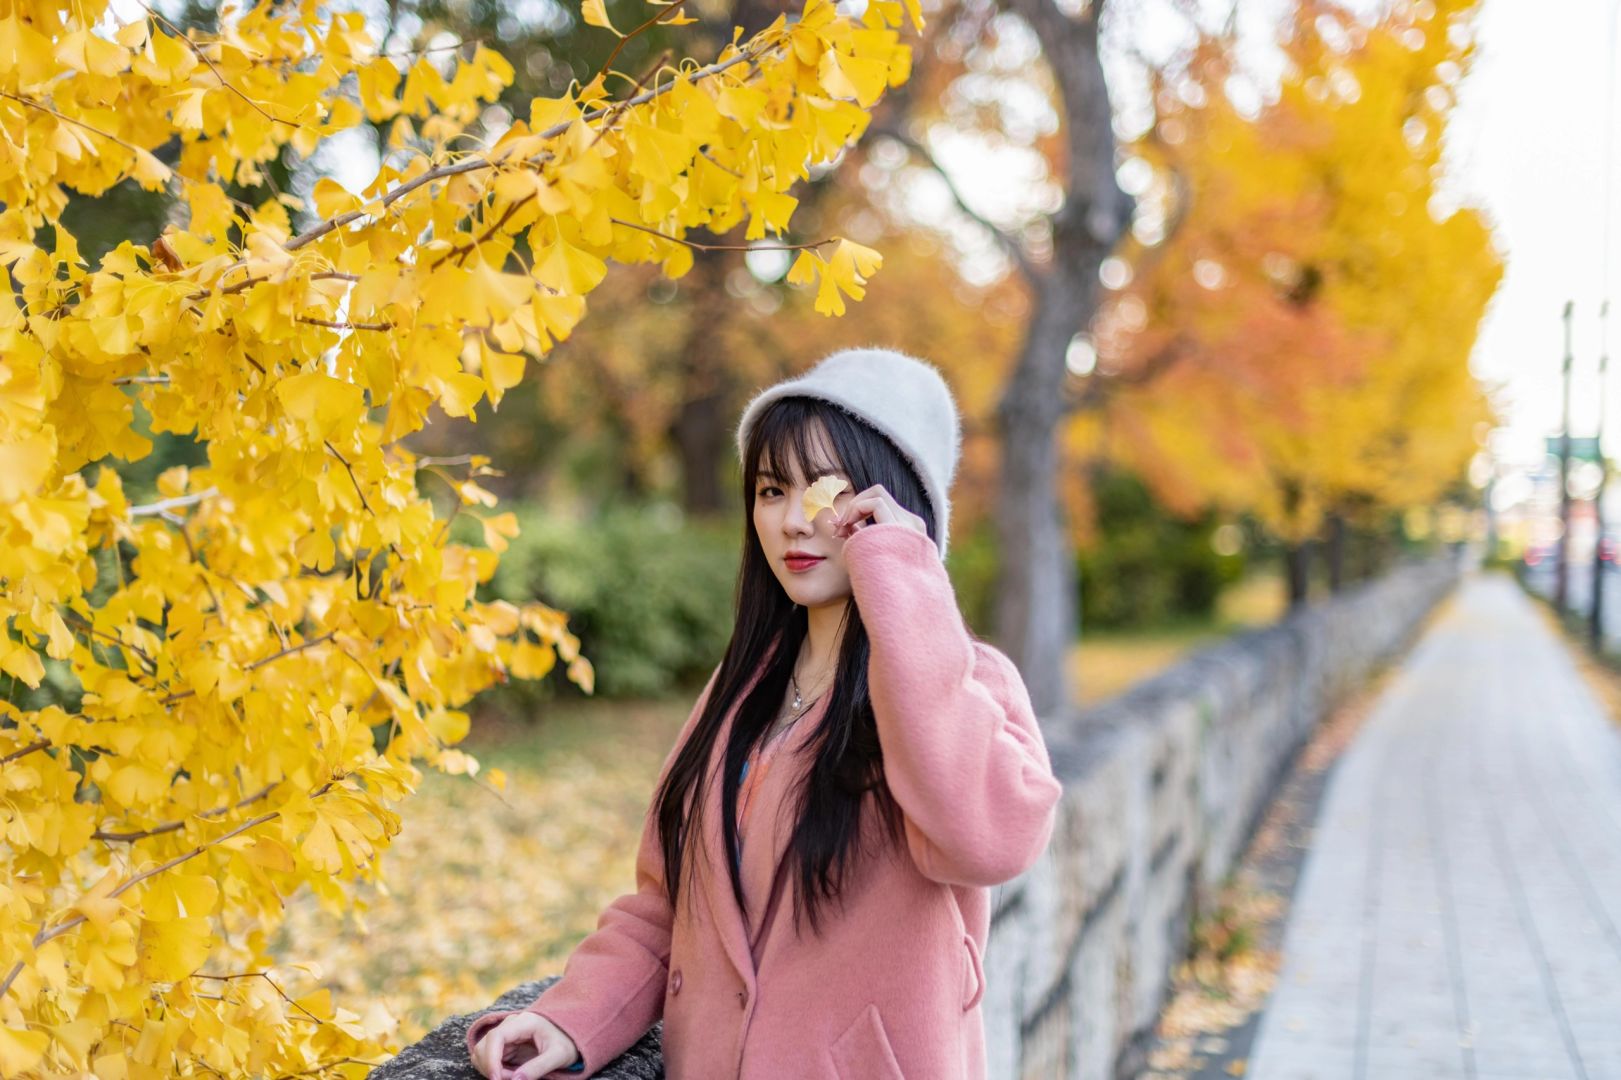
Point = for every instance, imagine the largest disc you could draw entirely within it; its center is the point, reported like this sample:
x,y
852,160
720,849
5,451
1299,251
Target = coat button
x,y
743,999
675,982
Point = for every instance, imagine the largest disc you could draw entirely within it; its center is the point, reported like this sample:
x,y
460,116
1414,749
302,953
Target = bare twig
x,y
476,164
300,647
25,751
172,826
330,325
44,108
170,504
606,64
1008,242
461,251
719,247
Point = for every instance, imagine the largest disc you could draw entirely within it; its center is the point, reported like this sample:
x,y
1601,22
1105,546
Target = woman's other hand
x,y
524,1046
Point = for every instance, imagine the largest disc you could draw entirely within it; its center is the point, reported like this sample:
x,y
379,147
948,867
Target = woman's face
x,y
779,520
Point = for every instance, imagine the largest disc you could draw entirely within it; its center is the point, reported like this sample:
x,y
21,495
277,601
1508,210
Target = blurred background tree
x,y
1280,332
1277,340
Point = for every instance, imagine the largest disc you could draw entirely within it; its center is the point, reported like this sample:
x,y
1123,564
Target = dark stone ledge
x,y
443,1051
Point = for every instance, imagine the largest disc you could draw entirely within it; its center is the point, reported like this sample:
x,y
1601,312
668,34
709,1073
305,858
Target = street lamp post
x,y
1561,566
1595,621
1596,613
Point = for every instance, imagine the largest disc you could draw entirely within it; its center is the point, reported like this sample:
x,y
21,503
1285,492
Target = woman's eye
x,y
767,490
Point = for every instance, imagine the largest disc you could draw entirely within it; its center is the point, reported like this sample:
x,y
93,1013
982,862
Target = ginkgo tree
x,y
1309,317
263,653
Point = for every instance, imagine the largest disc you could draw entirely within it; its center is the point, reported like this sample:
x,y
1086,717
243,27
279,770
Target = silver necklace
x,y
799,707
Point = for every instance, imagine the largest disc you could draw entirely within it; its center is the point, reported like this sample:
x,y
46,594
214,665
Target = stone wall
x,y
1163,787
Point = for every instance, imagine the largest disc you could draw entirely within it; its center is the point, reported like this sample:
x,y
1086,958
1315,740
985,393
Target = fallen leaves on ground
x,y
486,890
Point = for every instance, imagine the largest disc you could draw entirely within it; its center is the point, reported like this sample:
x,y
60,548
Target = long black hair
x,y
767,634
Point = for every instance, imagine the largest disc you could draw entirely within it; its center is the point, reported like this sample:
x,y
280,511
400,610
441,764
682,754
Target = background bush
x,y
1149,566
648,591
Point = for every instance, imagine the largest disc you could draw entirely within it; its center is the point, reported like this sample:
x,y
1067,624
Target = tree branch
x,y
300,647
719,247
479,163
1009,243
172,826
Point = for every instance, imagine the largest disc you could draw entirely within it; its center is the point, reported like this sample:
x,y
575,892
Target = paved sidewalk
x,y
1459,914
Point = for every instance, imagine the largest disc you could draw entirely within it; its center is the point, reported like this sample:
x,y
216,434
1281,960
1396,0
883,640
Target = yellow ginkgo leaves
x,y
595,13
820,495
260,656
846,271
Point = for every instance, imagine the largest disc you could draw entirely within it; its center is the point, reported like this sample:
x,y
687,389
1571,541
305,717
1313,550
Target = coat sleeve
x,y
612,988
963,752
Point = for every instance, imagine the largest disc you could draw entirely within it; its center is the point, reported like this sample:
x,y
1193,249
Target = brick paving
x,y
1459,914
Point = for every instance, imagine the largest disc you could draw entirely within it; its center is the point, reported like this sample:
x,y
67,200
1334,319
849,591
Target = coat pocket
x,y
863,1052
973,979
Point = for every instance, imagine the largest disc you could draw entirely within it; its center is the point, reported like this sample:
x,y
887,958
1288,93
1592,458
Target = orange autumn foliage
x,y
1311,313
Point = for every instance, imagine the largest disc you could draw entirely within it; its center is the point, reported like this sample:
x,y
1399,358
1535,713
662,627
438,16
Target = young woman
x,y
813,885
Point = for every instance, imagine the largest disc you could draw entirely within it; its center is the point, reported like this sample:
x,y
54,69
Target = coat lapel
x,y
770,828
771,822
727,917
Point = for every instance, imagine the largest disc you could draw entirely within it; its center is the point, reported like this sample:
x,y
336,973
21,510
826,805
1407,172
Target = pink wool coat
x,y
891,990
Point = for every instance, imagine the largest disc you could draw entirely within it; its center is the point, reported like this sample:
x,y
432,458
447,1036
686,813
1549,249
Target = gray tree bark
x,y
1036,618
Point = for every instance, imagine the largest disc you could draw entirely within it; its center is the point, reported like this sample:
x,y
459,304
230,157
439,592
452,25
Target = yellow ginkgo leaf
x,y
332,198
595,13
848,76
805,268
148,171
569,269
21,1049
845,272
820,495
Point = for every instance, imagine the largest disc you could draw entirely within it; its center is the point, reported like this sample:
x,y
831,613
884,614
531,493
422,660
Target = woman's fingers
x,y
554,1055
488,1052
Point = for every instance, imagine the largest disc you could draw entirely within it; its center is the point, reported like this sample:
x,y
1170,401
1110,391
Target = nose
x,y
797,521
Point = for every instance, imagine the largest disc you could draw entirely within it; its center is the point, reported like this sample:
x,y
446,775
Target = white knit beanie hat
x,y
902,396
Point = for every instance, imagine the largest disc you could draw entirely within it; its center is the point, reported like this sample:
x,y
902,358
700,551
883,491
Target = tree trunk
x,y
1336,552
702,429
1297,561
1036,603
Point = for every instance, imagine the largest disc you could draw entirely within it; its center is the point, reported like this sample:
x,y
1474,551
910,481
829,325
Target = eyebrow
x,y
767,474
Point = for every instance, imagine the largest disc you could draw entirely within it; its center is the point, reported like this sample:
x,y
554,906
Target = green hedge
x,y
648,593
1149,566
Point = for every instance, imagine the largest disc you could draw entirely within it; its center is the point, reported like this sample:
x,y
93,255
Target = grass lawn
x,y
1105,662
488,889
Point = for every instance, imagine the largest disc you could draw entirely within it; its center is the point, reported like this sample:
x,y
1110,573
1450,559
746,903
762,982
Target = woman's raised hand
x,y
880,506
523,1046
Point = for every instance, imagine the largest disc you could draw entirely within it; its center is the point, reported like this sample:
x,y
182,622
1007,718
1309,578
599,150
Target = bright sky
x,y
1529,146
